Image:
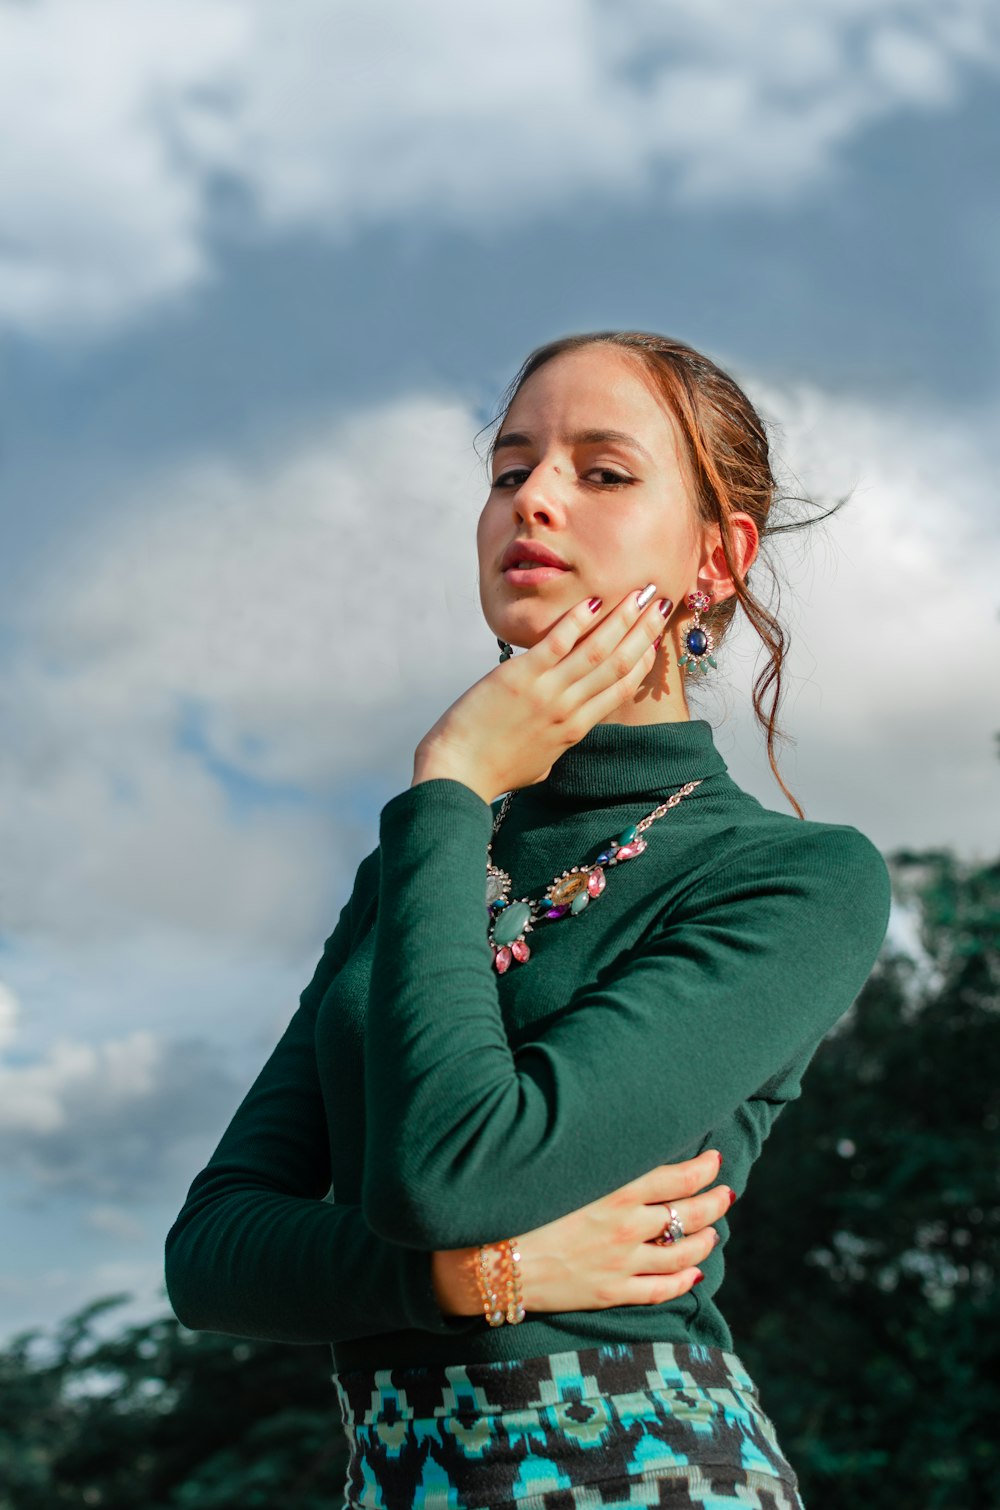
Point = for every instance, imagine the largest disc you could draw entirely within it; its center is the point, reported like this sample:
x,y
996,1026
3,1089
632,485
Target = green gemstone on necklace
x,y
510,923
570,892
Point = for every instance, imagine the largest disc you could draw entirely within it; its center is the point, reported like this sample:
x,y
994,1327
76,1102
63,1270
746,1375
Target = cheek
x,y
672,553
488,537
677,547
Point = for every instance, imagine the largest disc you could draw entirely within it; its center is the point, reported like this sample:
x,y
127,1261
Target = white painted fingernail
x,y
642,598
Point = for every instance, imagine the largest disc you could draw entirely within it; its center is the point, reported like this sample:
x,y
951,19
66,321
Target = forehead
x,y
594,387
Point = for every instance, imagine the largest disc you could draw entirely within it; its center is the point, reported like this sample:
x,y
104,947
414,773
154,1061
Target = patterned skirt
x,y
623,1424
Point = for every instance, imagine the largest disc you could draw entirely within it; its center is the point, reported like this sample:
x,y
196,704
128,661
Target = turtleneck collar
x,y
618,762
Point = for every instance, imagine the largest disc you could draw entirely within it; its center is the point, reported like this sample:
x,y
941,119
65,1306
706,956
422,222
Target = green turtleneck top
x,y
420,1100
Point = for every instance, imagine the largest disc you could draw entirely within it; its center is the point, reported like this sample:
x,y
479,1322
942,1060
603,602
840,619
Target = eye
x,y
504,479
610,477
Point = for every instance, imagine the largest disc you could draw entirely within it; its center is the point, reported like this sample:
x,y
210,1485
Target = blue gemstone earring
x,y
697,641
506,651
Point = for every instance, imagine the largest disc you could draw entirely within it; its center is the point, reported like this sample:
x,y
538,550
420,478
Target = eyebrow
x,y
581,438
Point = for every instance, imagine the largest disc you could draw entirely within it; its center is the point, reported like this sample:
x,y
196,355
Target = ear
x,y
714,576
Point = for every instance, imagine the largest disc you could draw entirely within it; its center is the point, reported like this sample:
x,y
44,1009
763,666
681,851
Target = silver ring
x,y
673,1231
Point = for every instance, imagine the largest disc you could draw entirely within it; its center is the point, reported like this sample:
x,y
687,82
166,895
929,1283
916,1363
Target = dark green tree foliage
x,y
865,1300
159,1417
862,1290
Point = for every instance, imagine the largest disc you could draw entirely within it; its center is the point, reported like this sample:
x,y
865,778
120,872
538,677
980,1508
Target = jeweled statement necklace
x,y
567,895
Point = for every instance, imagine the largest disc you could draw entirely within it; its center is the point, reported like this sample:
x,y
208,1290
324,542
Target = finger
x,y
696,1212
671,1182
670,1259
655,1289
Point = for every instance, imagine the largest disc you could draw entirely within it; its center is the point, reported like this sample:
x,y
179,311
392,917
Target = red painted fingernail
x,y
656,642
719,1157
595,604
732,1196
665,607
699,1279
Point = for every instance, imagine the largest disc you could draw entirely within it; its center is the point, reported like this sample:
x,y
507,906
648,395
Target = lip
x,y
530,550
529,576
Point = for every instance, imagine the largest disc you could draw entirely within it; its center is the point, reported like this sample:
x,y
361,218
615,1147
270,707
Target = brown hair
x,y
729,453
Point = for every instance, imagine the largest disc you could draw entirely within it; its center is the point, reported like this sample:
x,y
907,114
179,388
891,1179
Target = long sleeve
x,y
467,1140
256,1250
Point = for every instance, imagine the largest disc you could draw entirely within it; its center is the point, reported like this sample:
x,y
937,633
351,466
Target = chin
x,y
526,627
522,621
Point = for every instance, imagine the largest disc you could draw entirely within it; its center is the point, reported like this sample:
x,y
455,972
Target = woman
x,y
524,1119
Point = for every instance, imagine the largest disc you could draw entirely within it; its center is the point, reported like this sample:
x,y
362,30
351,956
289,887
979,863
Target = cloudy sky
x,y
264,272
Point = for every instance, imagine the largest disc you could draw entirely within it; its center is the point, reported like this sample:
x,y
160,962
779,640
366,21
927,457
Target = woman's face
x,y
617,509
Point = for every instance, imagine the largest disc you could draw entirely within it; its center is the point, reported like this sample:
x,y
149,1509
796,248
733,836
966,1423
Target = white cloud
x,y
9,1013
333,117
116,1222
894,612
45,1296
36,1098
111,1120
104,215
278,614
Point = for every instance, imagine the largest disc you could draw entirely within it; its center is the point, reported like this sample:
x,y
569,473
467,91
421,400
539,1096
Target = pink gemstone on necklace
x,y
628,850
596,882
502,958
519,949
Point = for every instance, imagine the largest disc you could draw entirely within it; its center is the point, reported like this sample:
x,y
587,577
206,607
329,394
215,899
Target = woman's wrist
x,y
430,764
454,1278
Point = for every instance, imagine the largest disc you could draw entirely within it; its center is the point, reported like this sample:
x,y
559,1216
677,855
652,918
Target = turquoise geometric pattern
x,y
624,1424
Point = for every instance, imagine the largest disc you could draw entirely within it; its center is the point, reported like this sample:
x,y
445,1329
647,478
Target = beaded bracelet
x,y
490,1298
510,1270
515,1309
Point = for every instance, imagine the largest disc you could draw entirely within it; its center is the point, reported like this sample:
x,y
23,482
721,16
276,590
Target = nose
x,y
542,495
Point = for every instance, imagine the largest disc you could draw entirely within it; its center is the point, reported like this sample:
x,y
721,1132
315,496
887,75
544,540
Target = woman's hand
x,y
603,1255
514,723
